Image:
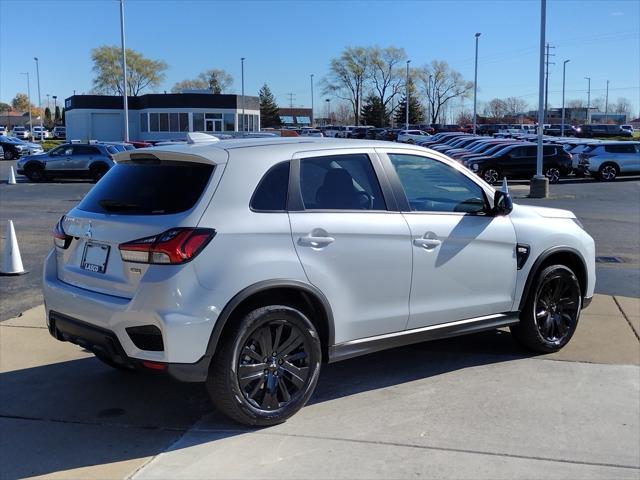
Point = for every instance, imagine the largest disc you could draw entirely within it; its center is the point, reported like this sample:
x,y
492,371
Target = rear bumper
x,y
105,343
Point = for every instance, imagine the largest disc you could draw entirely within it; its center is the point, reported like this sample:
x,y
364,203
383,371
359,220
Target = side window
x,y
85,150
517,152
61,151
432,186
271,193
340,182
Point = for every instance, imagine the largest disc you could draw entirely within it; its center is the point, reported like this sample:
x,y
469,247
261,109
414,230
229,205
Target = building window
x,y
213,116
144,122
198,122
184,122
164,122
174,120
154,122
229,122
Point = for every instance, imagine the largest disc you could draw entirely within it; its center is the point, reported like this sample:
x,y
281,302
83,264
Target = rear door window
x,y
148,187
271,194
85,150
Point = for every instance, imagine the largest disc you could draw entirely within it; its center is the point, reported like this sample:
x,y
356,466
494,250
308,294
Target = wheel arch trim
x,y
545,255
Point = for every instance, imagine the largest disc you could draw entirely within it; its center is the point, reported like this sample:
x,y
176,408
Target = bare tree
x,y
622,106
387,76
216,80
442,84
496,109
514,106
576,103
347,76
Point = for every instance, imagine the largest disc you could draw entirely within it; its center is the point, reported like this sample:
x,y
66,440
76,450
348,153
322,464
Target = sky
x,y
284,42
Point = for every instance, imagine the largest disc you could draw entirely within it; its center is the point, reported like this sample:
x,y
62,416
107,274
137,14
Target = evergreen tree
x,y
57,117
374,113
47,117
416,114
269,111
62,118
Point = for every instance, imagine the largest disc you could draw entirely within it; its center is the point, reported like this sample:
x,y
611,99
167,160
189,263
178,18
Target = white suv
x,y
248,263
609,160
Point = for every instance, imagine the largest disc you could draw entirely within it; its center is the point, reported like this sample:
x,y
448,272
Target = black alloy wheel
x,y
8,155
608,172
551,312
34,172
267,366
491,175
553,174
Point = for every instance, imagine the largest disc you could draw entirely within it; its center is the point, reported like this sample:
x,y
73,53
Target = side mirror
x,y
502,203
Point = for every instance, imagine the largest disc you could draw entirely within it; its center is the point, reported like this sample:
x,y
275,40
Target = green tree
x,y
47,117
416,114
269,111
216,80
374,113
20,102
5,107
142,72
57,116
62,117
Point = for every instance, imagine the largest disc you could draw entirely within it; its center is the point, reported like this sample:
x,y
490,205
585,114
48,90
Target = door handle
x,y
316,242
427,243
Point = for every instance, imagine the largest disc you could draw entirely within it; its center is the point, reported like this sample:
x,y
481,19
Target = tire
x,y
35,172
490,175
553,174
118,366
608,172
551,312
98,171
255,392
8,155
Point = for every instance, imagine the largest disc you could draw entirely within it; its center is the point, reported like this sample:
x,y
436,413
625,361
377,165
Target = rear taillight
x,y
61,239
175,246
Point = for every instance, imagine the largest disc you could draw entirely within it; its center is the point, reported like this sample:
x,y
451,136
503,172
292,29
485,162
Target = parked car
x,y
311,132
556,129
70,160
333,130
60,133
412,136
372,133
119,146
608,160
4,130
602,130
1,153
359,132
345,132
629,128
15,148
479,145
180,283
519,161
38,133
495,149
20,132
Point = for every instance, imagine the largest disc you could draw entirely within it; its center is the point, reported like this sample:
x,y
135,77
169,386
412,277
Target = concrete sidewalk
x,y
470,407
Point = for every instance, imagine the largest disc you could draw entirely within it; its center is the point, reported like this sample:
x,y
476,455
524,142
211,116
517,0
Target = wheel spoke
x,y
298,374
542,313
257,387
244,381
293,342
297,356
567,302
251,368
557,291
283,389
252,354
276,341
264,340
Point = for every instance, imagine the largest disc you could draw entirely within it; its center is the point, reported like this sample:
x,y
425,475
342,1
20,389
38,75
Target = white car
x,y
311,132
271,257
20,132
412,136
333,130
38,133
628,128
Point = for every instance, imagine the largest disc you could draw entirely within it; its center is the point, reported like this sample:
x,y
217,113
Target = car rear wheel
x,y
8,155
608,172
553,174
550,316
267,366
491,175
34,172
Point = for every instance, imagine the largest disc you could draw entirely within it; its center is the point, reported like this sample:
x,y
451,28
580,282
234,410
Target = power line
x,y
291,95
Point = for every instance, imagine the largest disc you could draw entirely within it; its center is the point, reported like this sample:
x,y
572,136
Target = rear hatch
x,y
137,199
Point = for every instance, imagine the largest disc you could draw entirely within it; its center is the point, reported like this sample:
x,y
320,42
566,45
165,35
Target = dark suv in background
x,y
602,130
519,161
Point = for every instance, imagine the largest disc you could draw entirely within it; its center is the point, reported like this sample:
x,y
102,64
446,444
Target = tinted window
x,y
340,182
85,150
432,186
61,150
271,194
620,148
148,187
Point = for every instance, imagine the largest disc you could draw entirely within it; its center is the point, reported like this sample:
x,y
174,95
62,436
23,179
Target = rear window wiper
x,y
115,205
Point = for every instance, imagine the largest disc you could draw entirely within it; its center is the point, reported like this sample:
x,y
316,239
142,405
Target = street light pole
x,y
125,99
475,88
564,67
29,98
311,120
586,120
39,100
539,187
406,100
242,74
328,110
55,107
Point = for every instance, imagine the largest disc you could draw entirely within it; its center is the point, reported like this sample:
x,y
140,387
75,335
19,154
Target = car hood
x,y
544,212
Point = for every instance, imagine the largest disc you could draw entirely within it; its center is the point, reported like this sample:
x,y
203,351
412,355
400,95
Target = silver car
x,y
71,160
608,160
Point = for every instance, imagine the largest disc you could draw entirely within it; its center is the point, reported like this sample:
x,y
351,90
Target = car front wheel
x,y
608,172
267,366
491,175
553,174
35,173
551,311
8,155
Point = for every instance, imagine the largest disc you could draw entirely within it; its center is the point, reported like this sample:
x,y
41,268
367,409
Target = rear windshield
x,y
147,187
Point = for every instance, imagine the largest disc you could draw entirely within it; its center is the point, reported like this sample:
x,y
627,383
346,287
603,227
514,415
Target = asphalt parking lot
x,y
470,407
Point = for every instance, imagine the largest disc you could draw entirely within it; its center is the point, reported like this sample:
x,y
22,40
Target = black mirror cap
x,y
502,203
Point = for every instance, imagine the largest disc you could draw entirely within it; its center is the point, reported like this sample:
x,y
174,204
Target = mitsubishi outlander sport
x,y
248,263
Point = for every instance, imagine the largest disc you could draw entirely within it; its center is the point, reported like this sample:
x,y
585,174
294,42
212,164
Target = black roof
x,y
163,100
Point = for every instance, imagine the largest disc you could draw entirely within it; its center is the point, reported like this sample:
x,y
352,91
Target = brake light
x,y
61,239
172,247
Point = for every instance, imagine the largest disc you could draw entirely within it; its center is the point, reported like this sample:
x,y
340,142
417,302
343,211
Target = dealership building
x,y
164,116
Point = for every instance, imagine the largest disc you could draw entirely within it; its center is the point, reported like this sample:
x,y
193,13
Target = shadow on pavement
x,y
81,413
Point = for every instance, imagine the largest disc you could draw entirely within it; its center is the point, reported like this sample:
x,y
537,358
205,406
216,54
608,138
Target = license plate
x,y
95,257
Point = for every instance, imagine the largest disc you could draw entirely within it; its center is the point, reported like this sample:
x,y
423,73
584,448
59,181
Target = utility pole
x,y
564,69
242,75
546,82
588,79
475,88
606,104
539,186
40,101
125,99
290,95
311,119
406,99
29,99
